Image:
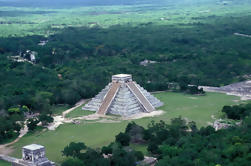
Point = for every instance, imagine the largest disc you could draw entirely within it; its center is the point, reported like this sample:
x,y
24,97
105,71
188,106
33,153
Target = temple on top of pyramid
x,y
124,97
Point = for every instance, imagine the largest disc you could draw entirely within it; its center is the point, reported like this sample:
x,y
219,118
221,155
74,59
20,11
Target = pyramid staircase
x,y
141,98
108,98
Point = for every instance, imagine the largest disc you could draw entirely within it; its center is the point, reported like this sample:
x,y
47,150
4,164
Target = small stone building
x,y
32,155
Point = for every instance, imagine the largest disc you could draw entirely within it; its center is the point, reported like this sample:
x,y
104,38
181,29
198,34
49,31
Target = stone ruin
x,y
242,89
32,155
225,123
124,97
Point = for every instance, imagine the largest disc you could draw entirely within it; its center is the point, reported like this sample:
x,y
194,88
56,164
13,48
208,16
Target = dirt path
x,y
81,102
58,120
143,115
5,149
243,35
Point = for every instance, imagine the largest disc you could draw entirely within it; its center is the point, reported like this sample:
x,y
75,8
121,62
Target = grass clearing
x,y
78,112
93,134
4,163
194,108
59,109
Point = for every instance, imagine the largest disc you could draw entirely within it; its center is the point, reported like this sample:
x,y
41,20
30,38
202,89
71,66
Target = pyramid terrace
x,y
124,97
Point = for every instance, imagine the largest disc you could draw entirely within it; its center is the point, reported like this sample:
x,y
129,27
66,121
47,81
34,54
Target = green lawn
x,y
59,109
196,108
4,163
78,112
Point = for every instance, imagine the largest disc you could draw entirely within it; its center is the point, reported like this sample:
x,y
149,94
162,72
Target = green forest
x,y
78,62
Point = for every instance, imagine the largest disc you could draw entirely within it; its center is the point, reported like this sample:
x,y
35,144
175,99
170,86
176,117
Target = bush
x,y
139,155
45,119
106,150
73,149
123,139
32,124
237,112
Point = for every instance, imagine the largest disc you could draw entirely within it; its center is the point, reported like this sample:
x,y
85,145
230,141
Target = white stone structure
x,y
242,89
123,97
32,155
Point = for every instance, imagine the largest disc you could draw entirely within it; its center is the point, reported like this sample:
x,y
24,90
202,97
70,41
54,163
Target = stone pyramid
x,y
123,97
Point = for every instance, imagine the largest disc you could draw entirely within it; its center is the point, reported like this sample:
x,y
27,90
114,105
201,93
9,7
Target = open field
x,y
58,110
78,112
3,163
196,108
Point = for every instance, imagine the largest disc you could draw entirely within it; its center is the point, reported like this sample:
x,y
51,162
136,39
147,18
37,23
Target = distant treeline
x,y
79,3
73,3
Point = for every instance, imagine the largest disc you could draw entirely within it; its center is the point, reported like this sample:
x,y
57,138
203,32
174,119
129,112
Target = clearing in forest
x,y
101,132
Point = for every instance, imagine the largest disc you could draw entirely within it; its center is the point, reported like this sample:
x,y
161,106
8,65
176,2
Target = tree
x,y
192,126
195,90
45,119
153,148
8,128
237,111
106,150
83,156
139,155
74,149
122,158
232,112
135,132
178,127
13,110
32,124
24,108
170,151
130,126
70,96
123,139
93,158
205,131
42,101
183,83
